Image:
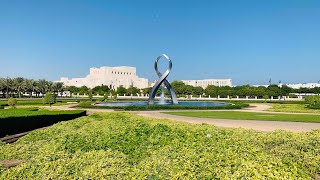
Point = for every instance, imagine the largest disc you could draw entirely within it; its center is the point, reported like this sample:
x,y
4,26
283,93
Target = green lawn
x,y
296,108
126,146
250,116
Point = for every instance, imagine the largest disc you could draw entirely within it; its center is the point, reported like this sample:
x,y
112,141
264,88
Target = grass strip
x,y
235,115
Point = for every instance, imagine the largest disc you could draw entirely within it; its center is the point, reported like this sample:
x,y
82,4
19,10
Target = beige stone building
x,y
205,82
110,76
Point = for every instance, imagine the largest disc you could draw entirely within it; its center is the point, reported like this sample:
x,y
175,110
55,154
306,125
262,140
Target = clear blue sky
x,y
248,41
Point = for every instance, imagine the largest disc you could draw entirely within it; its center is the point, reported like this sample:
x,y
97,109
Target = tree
x,y
30,86
12,102
261,91
101,90
57,87
312,100
105,96
274,90
146,90
2,86
43,86
83,90
49,98
121,90
19,85
265,97
72,89
113,92
286,90
8,86
316,90
179,87
197,90
212,90
90,96
188,90
132,90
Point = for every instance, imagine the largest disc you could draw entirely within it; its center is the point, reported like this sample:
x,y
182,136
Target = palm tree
x,y
36,88
42,86
30,86
57,87
2,86
19,85
72,89
49,86
8,82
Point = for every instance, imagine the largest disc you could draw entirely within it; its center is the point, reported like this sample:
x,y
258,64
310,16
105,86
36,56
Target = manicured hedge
x,y
314,106
13,121
263,101
163,107
287,102
36,102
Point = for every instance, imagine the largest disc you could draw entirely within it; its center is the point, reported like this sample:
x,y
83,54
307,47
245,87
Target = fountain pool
x,y
145,103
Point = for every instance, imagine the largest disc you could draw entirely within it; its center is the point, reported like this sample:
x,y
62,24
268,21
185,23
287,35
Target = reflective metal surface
x,y
163,79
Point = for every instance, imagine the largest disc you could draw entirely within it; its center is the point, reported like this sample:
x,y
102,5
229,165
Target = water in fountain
x,y
162,100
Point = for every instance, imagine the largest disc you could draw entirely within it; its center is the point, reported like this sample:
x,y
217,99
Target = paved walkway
x,y
228,123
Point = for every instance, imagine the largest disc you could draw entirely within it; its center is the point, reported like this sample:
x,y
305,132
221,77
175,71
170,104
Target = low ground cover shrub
x,y
14,121
126,146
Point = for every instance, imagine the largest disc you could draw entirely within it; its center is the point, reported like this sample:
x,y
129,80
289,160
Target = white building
x,y
111,76
205,82
303,85
296,86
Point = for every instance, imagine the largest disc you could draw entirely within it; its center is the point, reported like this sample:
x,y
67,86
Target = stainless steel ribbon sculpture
x,y
162,79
